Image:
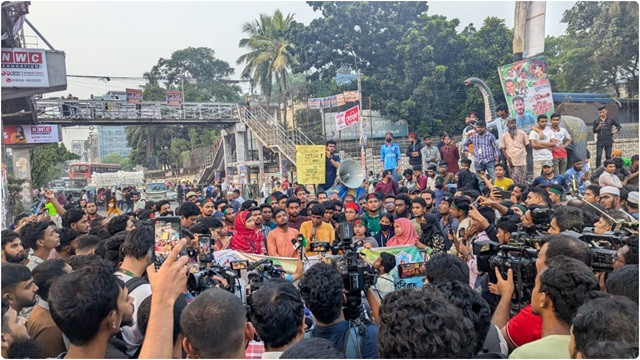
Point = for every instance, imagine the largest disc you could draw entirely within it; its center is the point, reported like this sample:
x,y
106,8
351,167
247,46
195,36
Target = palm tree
x,y
270,52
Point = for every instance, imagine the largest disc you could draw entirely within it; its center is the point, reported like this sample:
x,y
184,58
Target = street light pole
x,y
363,137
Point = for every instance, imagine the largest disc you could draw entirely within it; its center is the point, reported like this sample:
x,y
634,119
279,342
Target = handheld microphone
x,y
296,244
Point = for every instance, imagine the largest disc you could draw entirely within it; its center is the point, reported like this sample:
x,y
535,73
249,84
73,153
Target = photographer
x,y
385,263
567,219
323,292
277,313
526,326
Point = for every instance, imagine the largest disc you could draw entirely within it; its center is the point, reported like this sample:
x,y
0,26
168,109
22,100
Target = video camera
x,y
357,275
262,271
604,247
204,279
517,256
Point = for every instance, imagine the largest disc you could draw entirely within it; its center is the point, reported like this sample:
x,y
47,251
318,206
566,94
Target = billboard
x,y
30,134
347,118
24,68
527,90
134,96
174,98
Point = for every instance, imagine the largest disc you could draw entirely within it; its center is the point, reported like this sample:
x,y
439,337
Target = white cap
x,y
633,197
610,190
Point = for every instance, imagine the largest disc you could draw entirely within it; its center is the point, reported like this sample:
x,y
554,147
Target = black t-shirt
x,y
337,334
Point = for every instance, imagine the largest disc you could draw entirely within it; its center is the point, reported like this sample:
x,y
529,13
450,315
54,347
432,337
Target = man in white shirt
x,y
563,139
384,264
608,177
542,145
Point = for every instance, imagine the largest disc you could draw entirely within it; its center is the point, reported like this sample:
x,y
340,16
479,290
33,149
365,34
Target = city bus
x,y
80,173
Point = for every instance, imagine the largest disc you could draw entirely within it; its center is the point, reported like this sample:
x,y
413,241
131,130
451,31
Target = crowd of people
x,y
80,285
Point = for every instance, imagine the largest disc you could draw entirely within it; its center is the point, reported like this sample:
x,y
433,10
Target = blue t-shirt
x,y
337,334
390,154
541,180
330,171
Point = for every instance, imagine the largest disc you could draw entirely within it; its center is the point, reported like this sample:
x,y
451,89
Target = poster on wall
x,y
30,134
24,68
527,90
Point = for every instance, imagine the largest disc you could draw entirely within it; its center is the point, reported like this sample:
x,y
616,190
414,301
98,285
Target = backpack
x,y
352,347
133,283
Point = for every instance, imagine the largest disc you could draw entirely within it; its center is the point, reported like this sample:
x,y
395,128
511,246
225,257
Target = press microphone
x,y
296,244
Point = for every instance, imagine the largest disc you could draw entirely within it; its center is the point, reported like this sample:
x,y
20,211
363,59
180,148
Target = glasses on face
x,y
389,203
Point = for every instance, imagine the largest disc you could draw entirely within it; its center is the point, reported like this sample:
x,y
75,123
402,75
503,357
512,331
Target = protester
x,y
603,127
12,249
41,327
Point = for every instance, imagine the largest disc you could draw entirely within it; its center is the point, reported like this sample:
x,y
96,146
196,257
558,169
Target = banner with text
x,y
403,254
174,98
347,118
333,101
527,90
310,164
24,68
134,96
30,134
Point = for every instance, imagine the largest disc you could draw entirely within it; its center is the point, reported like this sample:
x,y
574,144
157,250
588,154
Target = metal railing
x,y
121,109
272,134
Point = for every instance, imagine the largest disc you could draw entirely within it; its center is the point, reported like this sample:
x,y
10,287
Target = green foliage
x,y
599,53
45,161
117,158
270,51
14,199
414,65
154,145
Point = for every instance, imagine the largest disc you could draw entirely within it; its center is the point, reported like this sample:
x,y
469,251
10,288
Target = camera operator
x,y
323,292
567,219
627,254
277,313
537,196
561,288
605,224
526,326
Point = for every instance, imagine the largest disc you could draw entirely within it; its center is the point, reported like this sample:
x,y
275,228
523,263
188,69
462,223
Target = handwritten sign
x,y
310,164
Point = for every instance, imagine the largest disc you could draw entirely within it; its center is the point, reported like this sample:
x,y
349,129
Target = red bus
x,y
80,173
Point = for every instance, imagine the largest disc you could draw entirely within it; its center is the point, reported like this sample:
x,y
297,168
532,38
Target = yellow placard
x,y
310,164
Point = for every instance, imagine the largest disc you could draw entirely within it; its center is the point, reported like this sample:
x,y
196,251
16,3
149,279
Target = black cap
x,y
601,107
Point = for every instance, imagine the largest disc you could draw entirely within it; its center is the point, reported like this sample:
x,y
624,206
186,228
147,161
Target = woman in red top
x,y
246,238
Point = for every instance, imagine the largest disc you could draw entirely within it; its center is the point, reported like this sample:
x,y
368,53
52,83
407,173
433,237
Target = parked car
x,y
172,195
156,191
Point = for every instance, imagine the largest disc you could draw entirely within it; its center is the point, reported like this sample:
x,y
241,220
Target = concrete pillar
x,y
22,170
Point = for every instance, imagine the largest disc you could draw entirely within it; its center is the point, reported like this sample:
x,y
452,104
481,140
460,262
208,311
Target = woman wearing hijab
x,y
246,239
405,234
432,234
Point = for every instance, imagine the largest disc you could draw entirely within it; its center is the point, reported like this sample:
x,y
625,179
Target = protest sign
x,y
310,161
527,90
